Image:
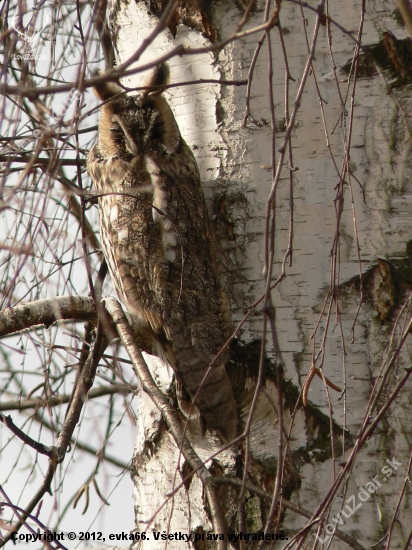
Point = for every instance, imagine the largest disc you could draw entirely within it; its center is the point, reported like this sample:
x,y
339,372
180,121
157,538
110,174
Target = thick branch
x,y
100,23
83,385
169,414
46,312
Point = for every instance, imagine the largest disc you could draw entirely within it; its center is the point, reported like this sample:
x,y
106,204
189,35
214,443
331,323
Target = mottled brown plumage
x,y
157,240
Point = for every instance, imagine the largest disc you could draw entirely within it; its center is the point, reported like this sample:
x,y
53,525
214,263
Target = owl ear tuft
x,y
165,126
160,77
105,90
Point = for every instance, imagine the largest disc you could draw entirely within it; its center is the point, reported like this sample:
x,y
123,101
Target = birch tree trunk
x,y
306,170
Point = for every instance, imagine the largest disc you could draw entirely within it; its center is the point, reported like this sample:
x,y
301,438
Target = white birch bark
x,y
235,165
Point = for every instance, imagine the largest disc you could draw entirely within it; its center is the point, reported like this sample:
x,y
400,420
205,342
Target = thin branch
x,y
24,158
99,453
114,76
39,447
115,389
44,488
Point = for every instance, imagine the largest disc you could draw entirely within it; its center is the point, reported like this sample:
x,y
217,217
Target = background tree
x,y
307,181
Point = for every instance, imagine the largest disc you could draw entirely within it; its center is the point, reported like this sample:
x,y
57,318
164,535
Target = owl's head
x,y
131,125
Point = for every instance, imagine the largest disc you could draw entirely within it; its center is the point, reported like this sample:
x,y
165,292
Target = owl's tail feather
x,y
188,409
212,395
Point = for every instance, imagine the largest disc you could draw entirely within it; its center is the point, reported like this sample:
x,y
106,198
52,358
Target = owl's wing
x,y
197,317
122,221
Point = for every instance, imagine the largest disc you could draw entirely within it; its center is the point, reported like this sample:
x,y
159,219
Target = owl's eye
x,y
116,130
117,133
123,135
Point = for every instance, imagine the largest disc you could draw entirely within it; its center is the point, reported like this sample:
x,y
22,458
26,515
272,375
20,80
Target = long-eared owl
x,y
158,243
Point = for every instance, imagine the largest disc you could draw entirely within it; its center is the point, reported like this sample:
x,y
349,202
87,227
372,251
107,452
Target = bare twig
x,y
37,446
37,403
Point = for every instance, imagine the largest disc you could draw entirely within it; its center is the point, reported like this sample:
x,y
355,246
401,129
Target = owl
x,y
159,246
